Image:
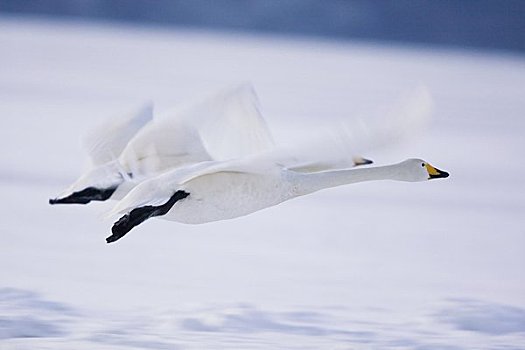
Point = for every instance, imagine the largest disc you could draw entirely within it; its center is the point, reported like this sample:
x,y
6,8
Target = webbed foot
x,y
141,214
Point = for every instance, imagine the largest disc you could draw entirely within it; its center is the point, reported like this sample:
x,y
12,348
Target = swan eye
x,y
422,164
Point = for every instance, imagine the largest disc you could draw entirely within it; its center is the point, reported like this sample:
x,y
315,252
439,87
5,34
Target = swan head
x,y
414,170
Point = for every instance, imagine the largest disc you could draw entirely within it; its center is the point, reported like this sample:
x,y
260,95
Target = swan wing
x,y
262,163
319,150
162,145
224,126
107,141
230,124
339,146
403,121
158,189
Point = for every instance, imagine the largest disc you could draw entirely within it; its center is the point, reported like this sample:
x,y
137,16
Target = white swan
x,y
212,191
224,126
123,152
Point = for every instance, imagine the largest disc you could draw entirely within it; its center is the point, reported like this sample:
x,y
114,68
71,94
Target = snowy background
x,y
379,265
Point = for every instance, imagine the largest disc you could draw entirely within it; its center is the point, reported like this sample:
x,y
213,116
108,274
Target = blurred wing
x,y
230,124
405,120
338,147
106,142
162,145
225,126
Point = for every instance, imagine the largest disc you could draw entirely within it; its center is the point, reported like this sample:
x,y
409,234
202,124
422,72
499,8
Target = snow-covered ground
x,y
379,265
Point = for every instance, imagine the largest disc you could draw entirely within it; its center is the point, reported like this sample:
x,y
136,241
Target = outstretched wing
x,y
106,142
341,145
403,121
163,145
230,124
224,126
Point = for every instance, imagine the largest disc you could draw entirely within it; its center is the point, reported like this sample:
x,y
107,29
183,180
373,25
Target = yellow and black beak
x,y
434,173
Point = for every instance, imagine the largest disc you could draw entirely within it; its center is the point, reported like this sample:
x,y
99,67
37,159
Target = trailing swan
x,y
125,151
212,191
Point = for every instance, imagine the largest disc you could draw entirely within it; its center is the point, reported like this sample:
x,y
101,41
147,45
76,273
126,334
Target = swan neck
x,y
317,181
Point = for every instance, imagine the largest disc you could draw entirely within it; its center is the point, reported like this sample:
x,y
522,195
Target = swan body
x,y
125,152
224,190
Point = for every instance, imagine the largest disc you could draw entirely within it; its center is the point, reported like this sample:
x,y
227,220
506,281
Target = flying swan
x,y
219,190
212,191
125,151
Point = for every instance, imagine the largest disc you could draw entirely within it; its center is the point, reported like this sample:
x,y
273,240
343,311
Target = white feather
x,y
336,146
106,142
224,126
331,150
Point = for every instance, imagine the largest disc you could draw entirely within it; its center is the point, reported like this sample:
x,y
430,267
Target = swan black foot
x,y
85,196
139,215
